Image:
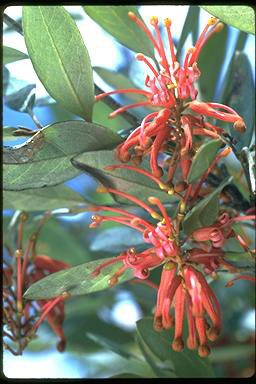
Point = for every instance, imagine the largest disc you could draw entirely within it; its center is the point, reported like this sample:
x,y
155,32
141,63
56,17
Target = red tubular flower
x,y
161,235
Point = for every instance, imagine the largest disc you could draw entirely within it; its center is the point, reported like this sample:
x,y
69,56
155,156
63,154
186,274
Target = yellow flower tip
x,y
19,307
155,216
212,20
102,189
140,57
18,253
132,16
154,20
169,265
152,200
190,50
170,191
167,22
182,207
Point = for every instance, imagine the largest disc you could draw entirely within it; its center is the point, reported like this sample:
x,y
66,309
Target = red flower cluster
x,y
169,88
19,315
182,285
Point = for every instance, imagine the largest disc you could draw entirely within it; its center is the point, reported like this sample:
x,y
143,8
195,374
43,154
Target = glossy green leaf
x,y
44,160
100,116
77,280
43,199
128,181
238,16
203,159
115,20
205,212
190,26
239,94
59,57
210,62
186,363
10,55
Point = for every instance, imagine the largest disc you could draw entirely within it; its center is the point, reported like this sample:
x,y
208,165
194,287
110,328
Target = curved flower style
x,y
169,88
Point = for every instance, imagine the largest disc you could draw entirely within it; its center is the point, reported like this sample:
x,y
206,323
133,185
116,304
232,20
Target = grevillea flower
x,y
161,236
219,232
20,314
169,87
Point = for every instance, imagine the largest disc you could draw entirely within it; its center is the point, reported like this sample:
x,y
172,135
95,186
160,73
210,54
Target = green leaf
x,y
231,353
10,55
44,160
124,180
100,113
190,26
186,363
43,199
115,20
238,16
210,61
150,359
239,94
18,94
112,346
205,212
59,57
203,159
77,280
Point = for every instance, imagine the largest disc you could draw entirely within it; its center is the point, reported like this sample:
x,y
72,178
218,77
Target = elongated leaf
x,y
10,55
59,57
44,160
210,63
128,181
239,16
115,20
186,363
190,26
77,280
112,346
239,94
205,212
118,239
43,199
203,159
100,112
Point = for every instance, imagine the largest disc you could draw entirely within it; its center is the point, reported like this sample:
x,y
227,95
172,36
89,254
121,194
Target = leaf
x,y
77,280
124,180
112,346
190,26
159,372
10,55
44,160
210,63
115,20
239,94
116,238
59,57
204,213
18,94
100,112
186,363
241,17
43,199
203,159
